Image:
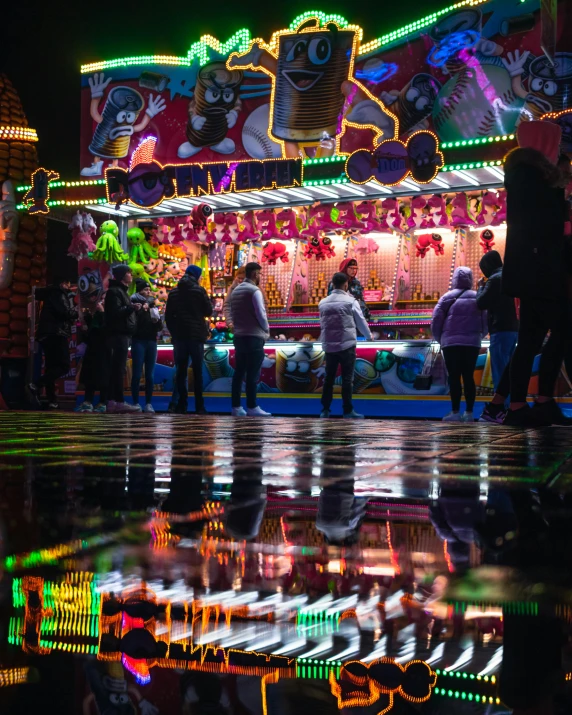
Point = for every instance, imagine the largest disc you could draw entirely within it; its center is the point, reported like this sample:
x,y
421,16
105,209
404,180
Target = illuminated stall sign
x,y
147,184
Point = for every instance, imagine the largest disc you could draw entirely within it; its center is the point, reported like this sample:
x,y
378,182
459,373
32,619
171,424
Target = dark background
x,y
43,45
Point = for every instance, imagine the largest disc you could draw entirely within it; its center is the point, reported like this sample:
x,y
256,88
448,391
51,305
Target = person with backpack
x,y
459,326
144,344
54,331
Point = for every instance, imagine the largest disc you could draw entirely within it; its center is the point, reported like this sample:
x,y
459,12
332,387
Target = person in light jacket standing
x,y
459,326
251,330
340,319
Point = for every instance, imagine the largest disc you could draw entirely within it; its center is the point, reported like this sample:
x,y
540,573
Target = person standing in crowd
x,y
120,325
535,269
54,331
93,359
251,330
188,306
503,325
349,266
239,277
459,326
144,345
340,319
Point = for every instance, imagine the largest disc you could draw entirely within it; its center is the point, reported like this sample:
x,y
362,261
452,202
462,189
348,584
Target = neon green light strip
x,y
466,696
60,184
470,165
83,202
243,37
324,160
325,182
461,674
476,141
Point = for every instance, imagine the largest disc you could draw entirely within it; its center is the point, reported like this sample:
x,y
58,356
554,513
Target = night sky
x,y
41,49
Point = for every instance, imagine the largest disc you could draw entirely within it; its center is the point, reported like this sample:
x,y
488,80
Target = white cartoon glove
x,y
252,57
231,118
515,62
97,84
155,106
148,708
488,47
198,122
319,372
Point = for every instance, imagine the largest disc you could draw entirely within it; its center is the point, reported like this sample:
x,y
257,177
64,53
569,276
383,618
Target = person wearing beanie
x,y
349,266
144,345
251,330
503,326
188,306
120,326
535,269
54,331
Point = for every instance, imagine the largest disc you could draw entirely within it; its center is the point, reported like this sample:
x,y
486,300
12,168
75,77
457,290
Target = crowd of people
x,y
517,304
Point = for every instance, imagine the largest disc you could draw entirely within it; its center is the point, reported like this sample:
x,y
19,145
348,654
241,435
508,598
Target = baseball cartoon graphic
x,y
255,139
314,91
116,123
213,110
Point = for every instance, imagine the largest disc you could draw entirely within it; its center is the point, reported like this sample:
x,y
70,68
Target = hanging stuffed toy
x,y
83,228
486,208
393,205
367,213
273,252
320,215
460,215
499,209
319,248
140,250
247,228
287,224
347,218
107,247
366,245
266,222
219,229
428,241
439,204
487,240
417,213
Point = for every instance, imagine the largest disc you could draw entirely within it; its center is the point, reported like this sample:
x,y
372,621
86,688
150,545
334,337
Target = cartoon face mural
x,y
550,87
296,368
90,287
313,88
414,102
116,123
213,110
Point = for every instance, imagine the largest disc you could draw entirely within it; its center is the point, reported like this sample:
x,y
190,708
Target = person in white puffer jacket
x,y
340,320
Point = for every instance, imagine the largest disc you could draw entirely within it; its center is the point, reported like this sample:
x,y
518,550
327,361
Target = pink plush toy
x,y
499,212
320,215
83,228
288,227
247,228
439,204
487,240
177,233
274,251
427,241
366,245
460,214
266,222
418,204
485,215
366,210
319,248
393,205
347,218
220,228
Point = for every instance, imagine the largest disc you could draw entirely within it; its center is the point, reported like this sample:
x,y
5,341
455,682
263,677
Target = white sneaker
x,y
452,417
468,417
238,412
257,412
136,407
96,169
85,407
149,408
124,408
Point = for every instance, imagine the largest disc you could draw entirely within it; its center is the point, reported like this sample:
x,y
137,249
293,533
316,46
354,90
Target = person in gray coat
x,y
340,319
459,326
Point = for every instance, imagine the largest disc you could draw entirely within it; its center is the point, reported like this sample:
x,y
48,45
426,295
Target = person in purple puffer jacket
x,y
459,326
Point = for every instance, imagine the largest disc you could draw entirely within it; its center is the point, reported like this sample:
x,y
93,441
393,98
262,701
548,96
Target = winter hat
x,y
542,136
490,262
140,284
120,271
194,271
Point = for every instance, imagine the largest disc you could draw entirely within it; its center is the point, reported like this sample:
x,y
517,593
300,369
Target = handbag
x,y
424,380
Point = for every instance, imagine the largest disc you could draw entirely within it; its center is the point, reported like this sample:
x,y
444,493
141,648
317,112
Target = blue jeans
x,y
143,352
501,349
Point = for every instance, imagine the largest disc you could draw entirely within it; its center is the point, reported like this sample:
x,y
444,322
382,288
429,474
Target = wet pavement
x,y
162,564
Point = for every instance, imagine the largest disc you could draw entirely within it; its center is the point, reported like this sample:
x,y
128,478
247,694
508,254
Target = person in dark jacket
x,y
535,270
349,266
121,324
503,325
144,344
187,307
94,357
54,331
459,326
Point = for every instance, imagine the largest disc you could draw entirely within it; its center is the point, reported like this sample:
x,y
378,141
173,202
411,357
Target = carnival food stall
x,y
302,150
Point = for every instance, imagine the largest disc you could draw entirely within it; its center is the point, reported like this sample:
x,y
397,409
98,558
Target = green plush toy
x,y
107,247
140,250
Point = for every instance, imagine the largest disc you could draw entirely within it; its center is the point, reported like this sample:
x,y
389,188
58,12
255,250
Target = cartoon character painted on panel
x,y
414,103
116,123
314,92
213,110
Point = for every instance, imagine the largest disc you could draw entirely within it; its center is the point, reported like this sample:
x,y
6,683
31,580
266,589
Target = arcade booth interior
x,y
298,151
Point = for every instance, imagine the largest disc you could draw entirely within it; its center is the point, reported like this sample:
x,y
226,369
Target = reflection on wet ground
x,y
166,565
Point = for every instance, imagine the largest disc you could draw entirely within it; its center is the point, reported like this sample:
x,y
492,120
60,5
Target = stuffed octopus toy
x,y
319,248
428,241
273,252
108,248
140,250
